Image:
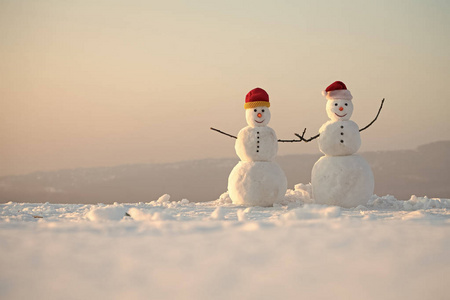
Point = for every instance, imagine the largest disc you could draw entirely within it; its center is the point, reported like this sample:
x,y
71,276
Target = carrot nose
x,y
259,115
341,108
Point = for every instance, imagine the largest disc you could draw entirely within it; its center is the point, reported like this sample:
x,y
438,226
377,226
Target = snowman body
x,y
341,177
256,144
257,180
339,138
257,183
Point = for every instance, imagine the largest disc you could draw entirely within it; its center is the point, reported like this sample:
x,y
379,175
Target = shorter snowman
x,y
257,180
341,177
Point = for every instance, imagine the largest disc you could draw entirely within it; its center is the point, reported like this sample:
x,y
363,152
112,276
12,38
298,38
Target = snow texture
x,y
257,183
346,181
387,249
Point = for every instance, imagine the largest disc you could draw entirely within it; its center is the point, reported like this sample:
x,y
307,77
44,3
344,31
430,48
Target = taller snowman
x,y
256,180
341,177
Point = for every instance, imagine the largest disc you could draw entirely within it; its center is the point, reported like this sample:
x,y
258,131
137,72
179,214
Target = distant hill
x,y
422,172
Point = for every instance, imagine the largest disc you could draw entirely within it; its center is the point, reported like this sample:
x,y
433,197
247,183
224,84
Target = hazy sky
x,y
102,83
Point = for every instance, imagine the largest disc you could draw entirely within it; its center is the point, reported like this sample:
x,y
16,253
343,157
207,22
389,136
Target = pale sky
x,y
104,83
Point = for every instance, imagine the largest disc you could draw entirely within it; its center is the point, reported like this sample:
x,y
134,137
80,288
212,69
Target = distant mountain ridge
x,y
402,173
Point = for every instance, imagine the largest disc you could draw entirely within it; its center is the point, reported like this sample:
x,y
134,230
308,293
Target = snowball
x,y
256,144
257,183
345,181
339,138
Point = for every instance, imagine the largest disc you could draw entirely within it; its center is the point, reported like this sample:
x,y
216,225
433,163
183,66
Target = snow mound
x,y
224,199
312,211
114,212
164,198
149,215
218,214
414,203
302,193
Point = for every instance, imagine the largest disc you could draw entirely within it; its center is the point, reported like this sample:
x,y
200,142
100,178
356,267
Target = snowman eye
x,y
346,104
254,110
335,104
263,110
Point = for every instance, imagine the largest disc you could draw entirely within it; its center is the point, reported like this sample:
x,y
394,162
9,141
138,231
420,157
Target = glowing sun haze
x,y
102,83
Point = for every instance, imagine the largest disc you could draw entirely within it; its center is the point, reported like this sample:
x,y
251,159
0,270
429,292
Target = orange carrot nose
x,y
341,108
259,115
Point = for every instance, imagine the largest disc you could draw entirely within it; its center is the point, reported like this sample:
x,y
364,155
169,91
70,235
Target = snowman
x,y
257,180
341,177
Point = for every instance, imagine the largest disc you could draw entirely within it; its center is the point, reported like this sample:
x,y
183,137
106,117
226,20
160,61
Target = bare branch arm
x,y
294,141
307,140
289,141
381,106
223,132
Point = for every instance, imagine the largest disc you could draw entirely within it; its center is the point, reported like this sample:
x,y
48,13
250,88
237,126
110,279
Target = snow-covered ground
x,y
388,249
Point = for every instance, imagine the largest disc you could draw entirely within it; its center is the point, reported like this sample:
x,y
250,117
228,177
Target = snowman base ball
x,y
345,181
257,183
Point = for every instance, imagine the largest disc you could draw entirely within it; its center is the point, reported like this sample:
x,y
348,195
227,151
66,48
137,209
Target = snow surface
x,y
163,249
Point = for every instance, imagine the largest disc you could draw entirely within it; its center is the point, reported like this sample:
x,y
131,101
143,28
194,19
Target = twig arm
x,y
307,140
289,141
294,141
219,131
379,110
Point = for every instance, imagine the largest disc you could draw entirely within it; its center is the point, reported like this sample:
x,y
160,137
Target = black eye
x,y
254,110
346,104
335,104
263,110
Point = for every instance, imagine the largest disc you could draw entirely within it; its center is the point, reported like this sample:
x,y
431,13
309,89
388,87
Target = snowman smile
x,y
340,115
259,121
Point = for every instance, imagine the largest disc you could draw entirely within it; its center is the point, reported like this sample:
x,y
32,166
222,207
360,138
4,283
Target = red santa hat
x,y
337,90
256,97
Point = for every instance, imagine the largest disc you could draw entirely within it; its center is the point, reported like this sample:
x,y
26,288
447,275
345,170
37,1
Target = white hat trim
x,y
338,94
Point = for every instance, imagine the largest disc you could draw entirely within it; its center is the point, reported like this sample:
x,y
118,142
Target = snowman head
x,y
339,109
257,116
256,106
339,104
